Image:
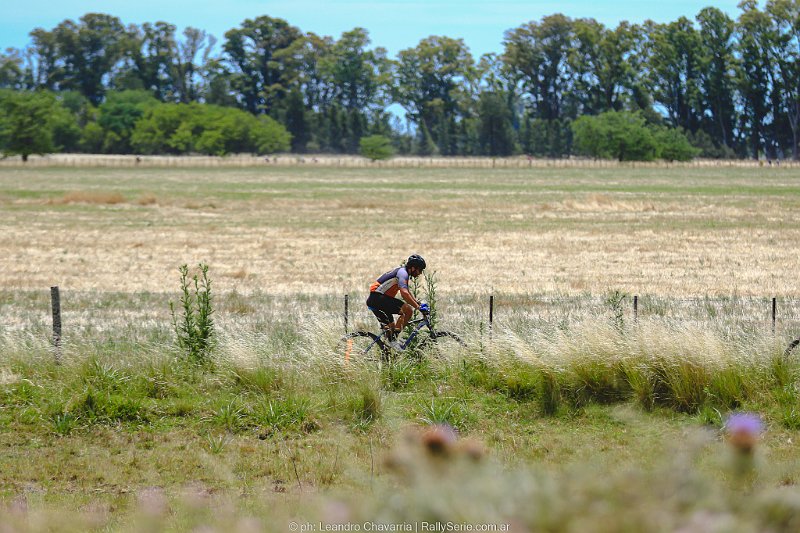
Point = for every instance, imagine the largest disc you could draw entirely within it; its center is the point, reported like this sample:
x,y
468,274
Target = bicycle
x,y
360,343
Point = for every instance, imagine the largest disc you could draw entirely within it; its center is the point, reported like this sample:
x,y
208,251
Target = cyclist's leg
x,y
383,307
405,315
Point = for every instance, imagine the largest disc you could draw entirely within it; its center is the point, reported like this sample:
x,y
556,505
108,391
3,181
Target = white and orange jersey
x,y
391,282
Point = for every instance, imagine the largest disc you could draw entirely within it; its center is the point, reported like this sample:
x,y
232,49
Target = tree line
x,y
714,86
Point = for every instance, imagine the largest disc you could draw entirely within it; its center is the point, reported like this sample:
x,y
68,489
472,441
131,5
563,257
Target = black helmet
x,y
416,261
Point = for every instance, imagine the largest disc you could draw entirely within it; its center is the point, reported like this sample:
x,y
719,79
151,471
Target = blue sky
x,y
393,24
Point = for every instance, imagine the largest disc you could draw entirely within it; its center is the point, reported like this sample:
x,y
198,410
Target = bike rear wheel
x,y
361,345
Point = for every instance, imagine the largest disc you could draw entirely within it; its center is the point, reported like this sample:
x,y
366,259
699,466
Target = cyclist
x,y
384,305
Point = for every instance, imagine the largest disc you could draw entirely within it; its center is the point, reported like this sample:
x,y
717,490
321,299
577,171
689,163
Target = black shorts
x,y
383,306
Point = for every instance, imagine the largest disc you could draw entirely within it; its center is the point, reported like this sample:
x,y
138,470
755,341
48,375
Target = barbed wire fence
x,y
776,315
761,315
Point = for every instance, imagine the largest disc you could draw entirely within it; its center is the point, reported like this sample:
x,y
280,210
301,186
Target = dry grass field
x,y
288,230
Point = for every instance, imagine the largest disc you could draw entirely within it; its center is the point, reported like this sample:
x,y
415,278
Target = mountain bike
x,y
386,344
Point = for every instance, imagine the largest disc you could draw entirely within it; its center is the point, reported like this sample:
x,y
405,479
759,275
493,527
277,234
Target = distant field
x,y
285,230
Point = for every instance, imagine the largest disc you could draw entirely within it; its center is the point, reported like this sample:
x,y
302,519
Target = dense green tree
x,y
785,16
754,36
87,53
537,54
261,60
12,75
26,123
296,120
45,70
311,78
717,75
674,66
359,77
601,62
429,84
496,137
731,85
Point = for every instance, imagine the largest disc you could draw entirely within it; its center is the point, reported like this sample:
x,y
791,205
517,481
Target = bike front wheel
x,y
442,342
791,347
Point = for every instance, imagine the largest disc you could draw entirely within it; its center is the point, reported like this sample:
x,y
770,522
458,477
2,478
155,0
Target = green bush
x,y
118,116
376,147
207,129
674,146
619,135
627,136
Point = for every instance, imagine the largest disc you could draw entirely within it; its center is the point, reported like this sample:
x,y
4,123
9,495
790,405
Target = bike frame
x,y
420,323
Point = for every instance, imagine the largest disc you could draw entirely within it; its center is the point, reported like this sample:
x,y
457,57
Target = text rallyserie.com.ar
x,y
402,527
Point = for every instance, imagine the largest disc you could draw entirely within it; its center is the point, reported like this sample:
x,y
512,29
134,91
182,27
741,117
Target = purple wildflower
x,y
748,423
742,431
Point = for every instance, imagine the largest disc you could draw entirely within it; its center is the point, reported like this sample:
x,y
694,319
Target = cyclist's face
x,y
415,271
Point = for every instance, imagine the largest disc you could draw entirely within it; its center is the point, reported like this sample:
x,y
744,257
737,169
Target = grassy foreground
x,y
586,424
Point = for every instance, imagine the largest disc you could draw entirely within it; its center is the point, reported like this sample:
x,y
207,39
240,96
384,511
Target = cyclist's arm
x,y
409,298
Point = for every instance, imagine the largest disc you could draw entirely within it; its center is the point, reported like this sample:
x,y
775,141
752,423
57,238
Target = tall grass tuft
x,y
444,411
366,406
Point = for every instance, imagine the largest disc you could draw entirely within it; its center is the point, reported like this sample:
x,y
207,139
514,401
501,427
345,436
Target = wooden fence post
x,y
55,298
774,313
491,312
635,308
346,302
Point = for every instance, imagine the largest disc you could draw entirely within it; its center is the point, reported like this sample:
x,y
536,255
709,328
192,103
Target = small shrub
x,y
180,407
194,329
147,199
376,147
782,370
614,301
788,406
20,393
710,416
104,376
